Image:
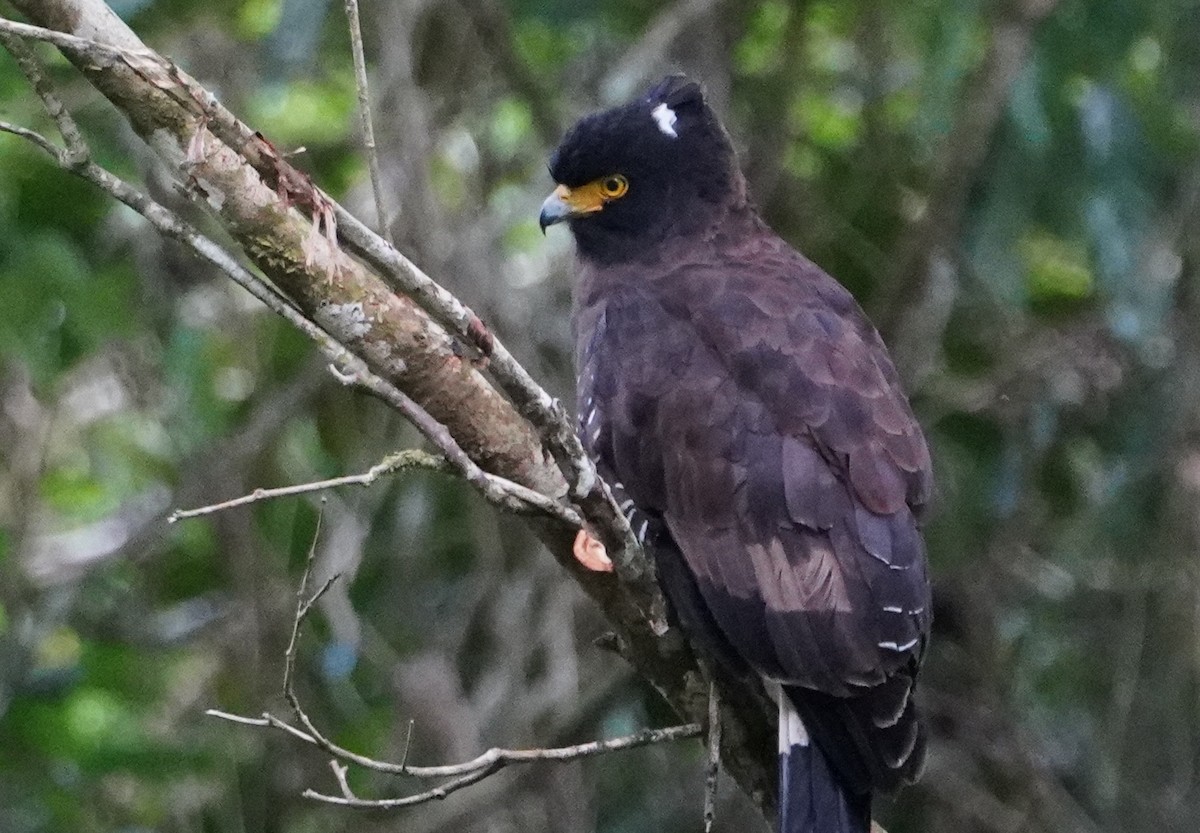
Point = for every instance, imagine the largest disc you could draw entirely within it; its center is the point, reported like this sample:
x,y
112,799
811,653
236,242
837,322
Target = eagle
x,y
753,428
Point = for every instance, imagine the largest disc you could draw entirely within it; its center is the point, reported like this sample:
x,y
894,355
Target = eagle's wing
x,y
757,416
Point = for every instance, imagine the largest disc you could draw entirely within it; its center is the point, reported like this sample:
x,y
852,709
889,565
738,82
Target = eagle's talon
x,y
591,553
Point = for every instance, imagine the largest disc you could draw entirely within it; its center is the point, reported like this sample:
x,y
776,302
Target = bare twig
x,y
339,772
492,761
304,605
713,770
462,774
435,794
408,736
645,737
237,718
364,115
399,461
29,135
77,152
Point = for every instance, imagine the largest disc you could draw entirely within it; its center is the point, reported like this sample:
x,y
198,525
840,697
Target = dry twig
x,y
399,461
466,772
366,122
713,770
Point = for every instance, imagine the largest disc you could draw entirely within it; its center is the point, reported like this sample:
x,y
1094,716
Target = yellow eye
x,y
613,187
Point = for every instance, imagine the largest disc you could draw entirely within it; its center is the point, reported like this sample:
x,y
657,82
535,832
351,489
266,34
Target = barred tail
x,y
811,799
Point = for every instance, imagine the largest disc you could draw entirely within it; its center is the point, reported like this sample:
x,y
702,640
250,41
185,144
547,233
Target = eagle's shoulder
x,y
795,340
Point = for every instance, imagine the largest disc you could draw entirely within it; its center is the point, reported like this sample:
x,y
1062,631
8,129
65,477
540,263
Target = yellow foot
x,y
591,553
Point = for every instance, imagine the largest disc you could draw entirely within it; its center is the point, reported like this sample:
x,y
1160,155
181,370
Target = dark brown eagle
x,y
753,427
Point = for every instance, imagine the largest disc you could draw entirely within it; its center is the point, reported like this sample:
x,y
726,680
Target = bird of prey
x,y
752,425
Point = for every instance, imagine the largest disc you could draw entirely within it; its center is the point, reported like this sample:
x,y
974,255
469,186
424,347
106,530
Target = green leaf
x,y
1056,269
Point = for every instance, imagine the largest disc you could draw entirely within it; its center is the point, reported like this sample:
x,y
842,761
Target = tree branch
x,y
515,494
365,120
392,344
495,759
492,757
713,769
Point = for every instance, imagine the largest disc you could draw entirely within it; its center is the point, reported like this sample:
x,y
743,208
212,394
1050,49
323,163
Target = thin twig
x,y
408,736
364,115
435,794
462,774
339,772
494,760
303,606
713,770
77,150
237,718
29,135
399,461
645,737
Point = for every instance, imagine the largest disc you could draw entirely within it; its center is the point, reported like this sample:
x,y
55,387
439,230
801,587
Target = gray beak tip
x,y
554,210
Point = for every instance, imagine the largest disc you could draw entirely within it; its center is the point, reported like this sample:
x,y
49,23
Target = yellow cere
x,y
591,197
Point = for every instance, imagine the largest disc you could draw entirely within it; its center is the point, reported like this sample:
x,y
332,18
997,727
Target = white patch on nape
x,y
791,727
665,118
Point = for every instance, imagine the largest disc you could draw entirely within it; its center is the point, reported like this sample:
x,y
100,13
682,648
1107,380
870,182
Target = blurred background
x,y
1010,187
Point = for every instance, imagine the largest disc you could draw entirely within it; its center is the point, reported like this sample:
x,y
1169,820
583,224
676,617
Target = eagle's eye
x,y
614,187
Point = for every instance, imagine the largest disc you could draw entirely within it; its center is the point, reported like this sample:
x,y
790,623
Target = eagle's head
x,y
631,176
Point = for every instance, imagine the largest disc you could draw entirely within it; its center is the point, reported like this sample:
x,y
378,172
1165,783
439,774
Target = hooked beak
x,y
567,204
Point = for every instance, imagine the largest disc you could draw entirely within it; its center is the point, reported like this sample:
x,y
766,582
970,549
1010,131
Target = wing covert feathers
x,y
748,405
